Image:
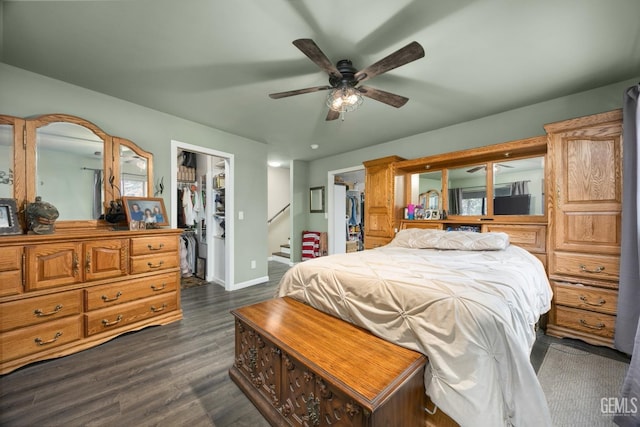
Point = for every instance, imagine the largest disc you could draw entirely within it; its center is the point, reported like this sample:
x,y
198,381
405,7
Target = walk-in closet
x,y
201,213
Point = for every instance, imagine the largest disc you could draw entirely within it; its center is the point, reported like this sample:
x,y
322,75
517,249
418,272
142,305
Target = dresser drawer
x,y
32,311
588,266
105,296
10,282
118,316
152,245
586,321
152,263
586,297
10,257
37,338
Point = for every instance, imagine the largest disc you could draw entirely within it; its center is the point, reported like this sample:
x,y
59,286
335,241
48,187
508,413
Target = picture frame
x,y
149,210
316,200
9,223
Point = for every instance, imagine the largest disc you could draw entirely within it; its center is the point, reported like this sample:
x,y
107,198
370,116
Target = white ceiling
x,y
214,62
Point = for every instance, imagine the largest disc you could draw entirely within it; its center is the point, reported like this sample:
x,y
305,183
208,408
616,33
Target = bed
x,y
468,301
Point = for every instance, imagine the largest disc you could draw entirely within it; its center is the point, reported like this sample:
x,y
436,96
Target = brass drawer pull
x,y
151,265
596,304
105,322
76,264
599,326
158,288
157,310
54,339
107,299
40,313
584,269
160,246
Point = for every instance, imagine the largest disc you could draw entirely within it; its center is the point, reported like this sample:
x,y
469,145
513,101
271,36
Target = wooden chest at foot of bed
x,y
301,367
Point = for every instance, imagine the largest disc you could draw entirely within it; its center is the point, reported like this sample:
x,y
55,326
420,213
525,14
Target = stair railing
x,y
281,211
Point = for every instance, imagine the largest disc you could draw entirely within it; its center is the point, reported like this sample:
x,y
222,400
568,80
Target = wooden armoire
x,y
585,206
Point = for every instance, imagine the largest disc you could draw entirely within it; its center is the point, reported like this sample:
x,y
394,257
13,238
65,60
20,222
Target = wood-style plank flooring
x,y
172,375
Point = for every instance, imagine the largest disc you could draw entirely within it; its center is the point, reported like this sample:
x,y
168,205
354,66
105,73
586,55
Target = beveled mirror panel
x,y
519,187
467,190
69,166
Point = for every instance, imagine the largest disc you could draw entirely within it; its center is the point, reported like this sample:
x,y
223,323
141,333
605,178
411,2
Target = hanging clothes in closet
x,y
188,253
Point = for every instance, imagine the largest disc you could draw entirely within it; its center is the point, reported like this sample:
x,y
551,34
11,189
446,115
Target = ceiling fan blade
x,y
332,115
382,96
402,56
298,92
504,166
311,49
476,169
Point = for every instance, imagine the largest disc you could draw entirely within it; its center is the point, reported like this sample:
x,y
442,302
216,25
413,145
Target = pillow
x,y
417,238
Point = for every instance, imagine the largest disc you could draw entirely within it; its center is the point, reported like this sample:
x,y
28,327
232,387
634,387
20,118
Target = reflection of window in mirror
x,y
133,173
467,190
422,183
6,161
519,187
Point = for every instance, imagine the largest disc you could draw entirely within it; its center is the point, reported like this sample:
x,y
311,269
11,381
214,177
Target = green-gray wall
x,y
25,94
506,126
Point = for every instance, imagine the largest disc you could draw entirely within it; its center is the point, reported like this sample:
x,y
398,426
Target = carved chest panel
x,y
301,367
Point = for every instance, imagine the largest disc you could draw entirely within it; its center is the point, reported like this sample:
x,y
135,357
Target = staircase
x,y
284,255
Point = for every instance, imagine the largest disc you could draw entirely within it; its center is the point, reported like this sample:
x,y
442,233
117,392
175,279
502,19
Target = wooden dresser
x,y
585,156
301,367
72,290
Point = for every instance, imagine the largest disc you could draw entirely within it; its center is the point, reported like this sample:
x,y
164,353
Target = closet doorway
x,y
204,216
345,210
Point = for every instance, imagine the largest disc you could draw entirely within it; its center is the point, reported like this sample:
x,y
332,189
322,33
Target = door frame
x,y
229,261
331,176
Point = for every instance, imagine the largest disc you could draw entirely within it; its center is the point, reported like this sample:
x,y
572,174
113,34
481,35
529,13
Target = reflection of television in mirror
x,y
512,205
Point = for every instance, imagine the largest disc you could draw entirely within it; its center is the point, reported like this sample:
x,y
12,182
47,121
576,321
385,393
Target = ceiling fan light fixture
x,y
344,99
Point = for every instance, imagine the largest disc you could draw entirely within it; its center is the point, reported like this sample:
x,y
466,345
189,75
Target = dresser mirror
x,y
425,189
518,187
467,190
134,167
6,161
69,170
72,164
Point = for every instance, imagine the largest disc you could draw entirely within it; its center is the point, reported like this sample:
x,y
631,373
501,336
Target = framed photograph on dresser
x,y
147,210
9,223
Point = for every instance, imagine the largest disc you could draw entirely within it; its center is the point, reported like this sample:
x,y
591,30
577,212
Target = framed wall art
x,y
149,210
9,223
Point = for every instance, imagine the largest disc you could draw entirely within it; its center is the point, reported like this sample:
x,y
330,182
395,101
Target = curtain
x,y
519,187
97,194
629,288
455,201
627,335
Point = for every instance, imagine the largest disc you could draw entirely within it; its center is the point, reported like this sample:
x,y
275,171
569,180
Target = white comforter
x,y
472,313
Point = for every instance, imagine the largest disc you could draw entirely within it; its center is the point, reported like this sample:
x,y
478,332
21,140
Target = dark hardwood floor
x,y
173,375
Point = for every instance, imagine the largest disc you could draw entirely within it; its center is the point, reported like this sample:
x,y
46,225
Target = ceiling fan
x,y
344,78
484,167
